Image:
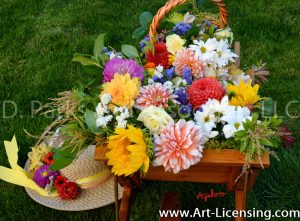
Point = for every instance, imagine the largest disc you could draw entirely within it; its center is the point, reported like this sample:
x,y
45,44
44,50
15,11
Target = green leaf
x,y
252,148
171,103
211,30
192,32
99,45
255,118
90,119
85,61
145,19
240,133
94,70
62,158
266,142
130,51
139,33
244,146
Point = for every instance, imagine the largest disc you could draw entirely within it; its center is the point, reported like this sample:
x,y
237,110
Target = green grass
x,y
38,39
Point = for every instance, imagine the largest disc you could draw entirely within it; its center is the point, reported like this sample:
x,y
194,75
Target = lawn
x,y
38,39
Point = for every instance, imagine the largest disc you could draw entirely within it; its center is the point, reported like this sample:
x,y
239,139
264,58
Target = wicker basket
x,y
162,12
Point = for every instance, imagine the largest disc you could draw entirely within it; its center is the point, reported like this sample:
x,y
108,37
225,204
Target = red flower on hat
x,y
203,89
49,158
160,56
59,181
68,191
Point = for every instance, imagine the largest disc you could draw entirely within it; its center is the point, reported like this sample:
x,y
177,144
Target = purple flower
x,y
170,73
147,38
185,109
181,28
182,96
122,66
187,75
42,175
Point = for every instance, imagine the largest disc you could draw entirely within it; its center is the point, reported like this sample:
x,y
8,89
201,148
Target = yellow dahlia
x,y
122,89
243,94
127,151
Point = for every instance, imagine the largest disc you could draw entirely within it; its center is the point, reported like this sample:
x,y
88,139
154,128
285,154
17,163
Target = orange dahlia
x,y
203,89
178,146
160,55
153,95
188,58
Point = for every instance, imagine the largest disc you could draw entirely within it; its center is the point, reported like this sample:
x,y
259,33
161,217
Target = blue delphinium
x,y
187,75
181,28
185,109
182,96
158,80
143,43
170,73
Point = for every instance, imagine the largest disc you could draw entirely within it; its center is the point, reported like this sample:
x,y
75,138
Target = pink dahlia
x,y
122,66
188,58
153,95
178,146
203,89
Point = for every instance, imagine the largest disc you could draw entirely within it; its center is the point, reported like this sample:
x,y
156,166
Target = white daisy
x,y
206,121
224,54
234,120
206,51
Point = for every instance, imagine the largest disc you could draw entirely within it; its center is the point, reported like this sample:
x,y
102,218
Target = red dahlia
x,y
160,56
203,89
68,191
59,181
49,158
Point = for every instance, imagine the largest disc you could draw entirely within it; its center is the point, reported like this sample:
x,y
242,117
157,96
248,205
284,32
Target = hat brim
x,y
88,199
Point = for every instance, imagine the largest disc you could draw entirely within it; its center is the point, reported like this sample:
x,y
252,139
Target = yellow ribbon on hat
x,y
93,181
17,175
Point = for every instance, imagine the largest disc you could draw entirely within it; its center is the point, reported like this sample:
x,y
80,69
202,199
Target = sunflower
x,y
127,151
243,94
122,89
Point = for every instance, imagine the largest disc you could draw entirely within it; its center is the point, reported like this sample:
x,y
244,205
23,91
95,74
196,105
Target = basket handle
x,y
171,4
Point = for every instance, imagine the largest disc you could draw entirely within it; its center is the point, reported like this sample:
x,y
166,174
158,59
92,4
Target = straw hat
x,y
83,166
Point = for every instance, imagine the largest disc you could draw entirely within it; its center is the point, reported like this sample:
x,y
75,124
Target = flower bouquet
x,y
181,92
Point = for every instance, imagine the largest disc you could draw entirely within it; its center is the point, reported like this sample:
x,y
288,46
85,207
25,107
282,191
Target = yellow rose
x,y
174,43
155,118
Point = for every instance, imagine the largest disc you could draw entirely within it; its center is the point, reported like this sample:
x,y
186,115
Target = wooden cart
x,y
216,166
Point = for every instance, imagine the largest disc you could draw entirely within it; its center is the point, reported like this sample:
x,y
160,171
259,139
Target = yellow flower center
x,y
203,49
237,125
206,119
45,174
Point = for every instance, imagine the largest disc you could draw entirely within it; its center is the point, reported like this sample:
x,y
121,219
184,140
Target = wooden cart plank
x,y
224,157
